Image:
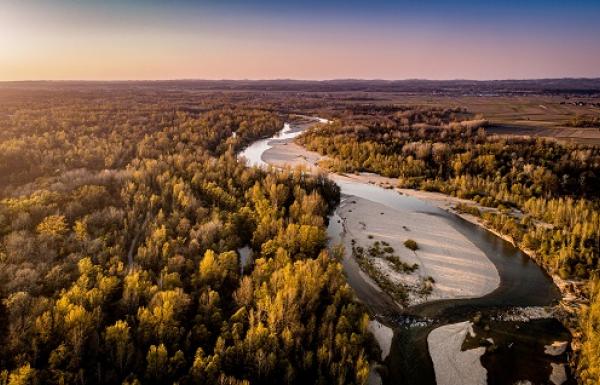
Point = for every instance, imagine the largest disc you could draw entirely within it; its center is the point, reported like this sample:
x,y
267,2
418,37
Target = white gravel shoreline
x,y
383,335
452,365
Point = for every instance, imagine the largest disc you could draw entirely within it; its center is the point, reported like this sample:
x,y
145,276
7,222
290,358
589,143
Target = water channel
x,y
520,356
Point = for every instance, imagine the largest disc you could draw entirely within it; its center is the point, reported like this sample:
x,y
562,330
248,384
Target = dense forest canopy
x,y
121,219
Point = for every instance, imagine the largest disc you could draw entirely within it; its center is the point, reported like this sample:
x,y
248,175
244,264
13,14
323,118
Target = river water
x,y
522,284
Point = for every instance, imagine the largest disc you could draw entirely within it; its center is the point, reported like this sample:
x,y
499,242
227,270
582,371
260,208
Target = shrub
x,y
411,244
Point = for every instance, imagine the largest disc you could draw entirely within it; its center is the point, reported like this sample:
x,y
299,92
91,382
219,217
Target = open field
x,y
531,115
543,116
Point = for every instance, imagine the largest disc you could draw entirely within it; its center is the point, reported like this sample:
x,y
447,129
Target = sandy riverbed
x,y
452,365
383,335
291,154
458,267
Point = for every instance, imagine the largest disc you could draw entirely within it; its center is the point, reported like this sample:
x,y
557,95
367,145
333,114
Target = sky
x,y
310,39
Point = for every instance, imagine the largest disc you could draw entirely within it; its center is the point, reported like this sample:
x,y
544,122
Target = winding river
x,y
522,284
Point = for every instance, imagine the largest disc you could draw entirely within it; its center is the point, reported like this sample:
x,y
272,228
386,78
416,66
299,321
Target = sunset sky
x,y
135,39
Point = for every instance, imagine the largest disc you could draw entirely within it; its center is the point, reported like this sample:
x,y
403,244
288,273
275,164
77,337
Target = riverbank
x,y
289,154
452,364
363,215
292,154
444,254
572,296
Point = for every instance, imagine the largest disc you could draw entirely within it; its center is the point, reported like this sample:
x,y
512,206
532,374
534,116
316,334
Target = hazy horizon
x,y
269,40
302,80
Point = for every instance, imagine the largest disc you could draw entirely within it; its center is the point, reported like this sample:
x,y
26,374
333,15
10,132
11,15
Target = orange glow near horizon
x,y
41,43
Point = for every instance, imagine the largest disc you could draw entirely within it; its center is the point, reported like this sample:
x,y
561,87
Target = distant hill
x,y
573,86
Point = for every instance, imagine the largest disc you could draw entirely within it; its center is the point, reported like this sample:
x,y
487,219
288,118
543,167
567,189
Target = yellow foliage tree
x,y
53,226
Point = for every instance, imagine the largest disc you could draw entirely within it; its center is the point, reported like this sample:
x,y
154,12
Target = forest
x,y
546,193
125,216
122,216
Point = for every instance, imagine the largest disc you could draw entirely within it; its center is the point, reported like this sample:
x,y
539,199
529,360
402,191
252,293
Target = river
x,y
523,283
